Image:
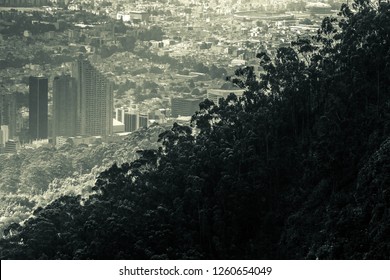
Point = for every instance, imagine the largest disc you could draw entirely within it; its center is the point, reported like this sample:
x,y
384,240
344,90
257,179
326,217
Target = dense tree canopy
x,y
35,177
296,168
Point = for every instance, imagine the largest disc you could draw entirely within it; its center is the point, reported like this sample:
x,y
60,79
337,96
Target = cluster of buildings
x,y
129,119
133,16
82,105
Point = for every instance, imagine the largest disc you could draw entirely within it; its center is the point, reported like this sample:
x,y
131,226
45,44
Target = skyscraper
x,y
95,100
38,108
64,106
8,111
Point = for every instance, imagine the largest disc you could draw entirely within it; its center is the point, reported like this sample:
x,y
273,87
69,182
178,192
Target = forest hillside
x,y
35,177
296,168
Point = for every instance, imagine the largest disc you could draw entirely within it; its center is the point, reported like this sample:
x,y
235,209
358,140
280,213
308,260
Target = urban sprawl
x,y
88,72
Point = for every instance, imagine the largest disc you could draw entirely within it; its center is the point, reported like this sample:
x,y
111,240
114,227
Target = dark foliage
x,y
296,168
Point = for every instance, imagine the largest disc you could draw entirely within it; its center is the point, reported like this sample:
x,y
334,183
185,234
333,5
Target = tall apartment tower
x,y
95,100
64,106
38,108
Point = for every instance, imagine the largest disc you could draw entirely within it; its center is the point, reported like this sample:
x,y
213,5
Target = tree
x,y
128,43
295,168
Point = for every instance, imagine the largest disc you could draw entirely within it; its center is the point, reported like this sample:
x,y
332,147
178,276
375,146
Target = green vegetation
x,y
35,177
296,168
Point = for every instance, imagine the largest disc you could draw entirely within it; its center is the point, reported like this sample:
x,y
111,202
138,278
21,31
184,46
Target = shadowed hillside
x,y
296,168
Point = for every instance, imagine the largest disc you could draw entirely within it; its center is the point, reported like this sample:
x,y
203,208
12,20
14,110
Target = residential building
x,y
139,16
181,106
134,120
64,106
8,112
216,94
38,108
95,100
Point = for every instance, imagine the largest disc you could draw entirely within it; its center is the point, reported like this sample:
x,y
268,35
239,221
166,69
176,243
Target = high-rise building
x,y
64,106
3,135
95,100
8,112
38,108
